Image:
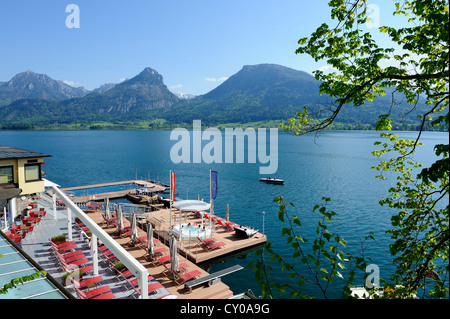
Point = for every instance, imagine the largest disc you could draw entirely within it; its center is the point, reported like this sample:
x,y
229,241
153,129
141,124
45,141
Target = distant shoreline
x,y
150,126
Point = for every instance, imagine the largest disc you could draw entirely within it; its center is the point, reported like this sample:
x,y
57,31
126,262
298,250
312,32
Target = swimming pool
x,y
191,231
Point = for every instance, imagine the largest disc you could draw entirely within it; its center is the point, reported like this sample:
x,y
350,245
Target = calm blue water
x,y
336,165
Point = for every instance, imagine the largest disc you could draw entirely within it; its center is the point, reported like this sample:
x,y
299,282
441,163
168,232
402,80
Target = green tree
x,y
414,67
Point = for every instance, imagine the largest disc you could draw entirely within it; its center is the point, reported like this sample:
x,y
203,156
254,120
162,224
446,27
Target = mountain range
x,y
262,92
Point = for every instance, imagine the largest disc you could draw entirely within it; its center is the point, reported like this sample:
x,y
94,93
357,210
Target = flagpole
x,y
170,197
211,201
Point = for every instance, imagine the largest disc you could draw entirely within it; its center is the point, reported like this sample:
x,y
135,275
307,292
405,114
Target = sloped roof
x,y
8,152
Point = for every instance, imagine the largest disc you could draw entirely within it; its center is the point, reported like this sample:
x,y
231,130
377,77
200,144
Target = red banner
x,y
172,186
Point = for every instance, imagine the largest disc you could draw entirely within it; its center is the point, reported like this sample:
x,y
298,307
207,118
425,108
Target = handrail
x,y
125,257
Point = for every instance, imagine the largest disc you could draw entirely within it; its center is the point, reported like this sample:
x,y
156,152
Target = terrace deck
x,y
216,291
191,249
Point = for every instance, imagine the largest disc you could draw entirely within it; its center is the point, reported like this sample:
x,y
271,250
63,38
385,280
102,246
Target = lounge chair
x,y
229,226
111,221
143,241
95,293
133,281
62,244
158,252
70,259
216,245
181,267
222,222
81,225
70,254
126,274
208,245
77,263
93,205
151,288
163,260
181,279
208,240
86,269
86,283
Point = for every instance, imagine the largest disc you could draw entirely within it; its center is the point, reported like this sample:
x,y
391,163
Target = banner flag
x,y
172,186
214,184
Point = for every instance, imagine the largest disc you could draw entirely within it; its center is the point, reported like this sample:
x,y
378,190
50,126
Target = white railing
x,y
125,257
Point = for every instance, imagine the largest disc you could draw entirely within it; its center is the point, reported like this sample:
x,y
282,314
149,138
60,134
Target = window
x,y
32,172
6,175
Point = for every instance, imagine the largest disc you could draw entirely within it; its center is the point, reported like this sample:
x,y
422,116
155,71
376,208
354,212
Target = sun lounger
x,y
151,288
76,263
70,259
187,276
216,245
208,240
108,295
181,267
110,221
229,226
93,205
164,259
209,245
70,269
64,244
143,241
133,282
222,222
71,253
86,283
93,294
158,252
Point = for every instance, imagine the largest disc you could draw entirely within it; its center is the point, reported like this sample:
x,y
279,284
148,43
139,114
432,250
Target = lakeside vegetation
x,y
162,124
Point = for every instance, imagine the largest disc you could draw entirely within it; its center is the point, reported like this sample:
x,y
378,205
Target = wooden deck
x,y
216,291
152,187
191,249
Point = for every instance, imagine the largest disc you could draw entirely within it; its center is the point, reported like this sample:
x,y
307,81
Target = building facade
x,y
20,180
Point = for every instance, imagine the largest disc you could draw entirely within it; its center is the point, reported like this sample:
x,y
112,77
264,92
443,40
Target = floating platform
x,y
95,193
191,249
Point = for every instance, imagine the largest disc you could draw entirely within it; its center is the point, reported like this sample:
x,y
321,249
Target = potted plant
x,y
119,266
58,239
76,274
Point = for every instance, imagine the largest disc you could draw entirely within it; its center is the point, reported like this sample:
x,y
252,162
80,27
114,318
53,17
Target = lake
x,y
336,164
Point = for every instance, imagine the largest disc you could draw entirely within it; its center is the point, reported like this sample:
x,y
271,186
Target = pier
x,y
192,249
152,187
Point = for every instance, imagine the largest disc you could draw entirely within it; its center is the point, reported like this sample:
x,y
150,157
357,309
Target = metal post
x,y
264,213
94,251
54,205
69,223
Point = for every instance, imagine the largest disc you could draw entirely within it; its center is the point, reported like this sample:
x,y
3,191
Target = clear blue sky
x,y
193,44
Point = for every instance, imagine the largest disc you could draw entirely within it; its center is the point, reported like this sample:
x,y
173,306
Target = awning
x,y
10,193
191,205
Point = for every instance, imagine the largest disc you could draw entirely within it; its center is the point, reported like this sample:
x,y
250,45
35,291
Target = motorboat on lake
x,y
272,180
